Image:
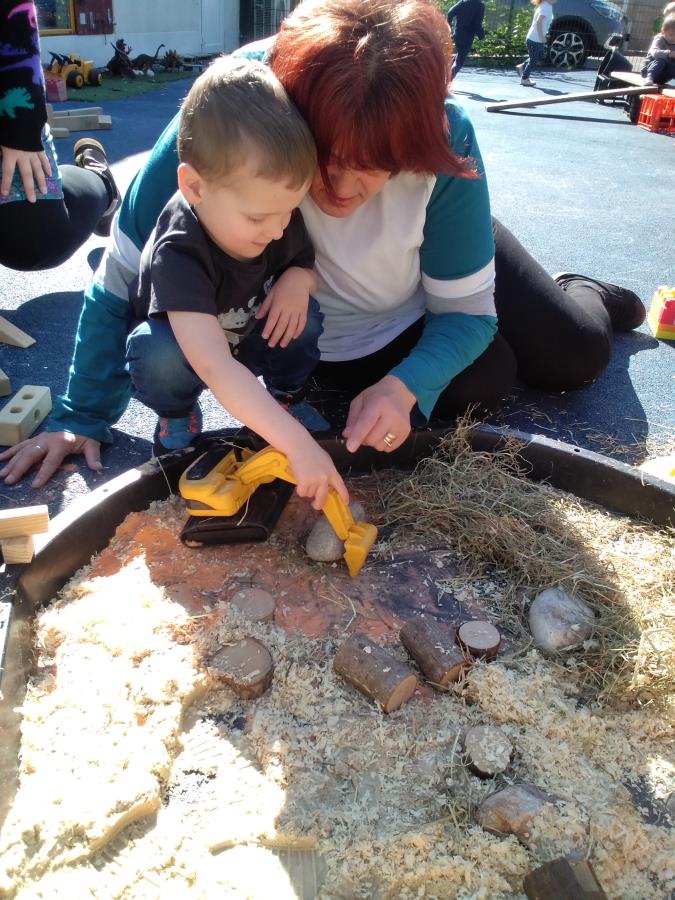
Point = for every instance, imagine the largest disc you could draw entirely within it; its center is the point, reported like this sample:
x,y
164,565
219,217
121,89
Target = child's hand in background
x,y
286,306
32,167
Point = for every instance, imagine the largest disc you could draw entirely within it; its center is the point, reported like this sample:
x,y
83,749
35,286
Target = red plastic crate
x,y
657,113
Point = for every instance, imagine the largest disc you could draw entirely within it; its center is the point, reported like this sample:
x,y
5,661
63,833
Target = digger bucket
x,y
360,539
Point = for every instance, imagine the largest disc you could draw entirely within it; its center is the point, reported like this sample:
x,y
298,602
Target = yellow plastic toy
x,y
662,467
228,485
75,71
661,316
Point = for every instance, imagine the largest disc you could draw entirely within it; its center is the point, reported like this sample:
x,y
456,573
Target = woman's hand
x,y
315,473
48,450
32,167
379,417
286,306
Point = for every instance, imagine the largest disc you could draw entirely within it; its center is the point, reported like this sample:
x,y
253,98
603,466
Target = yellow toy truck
x,y
75,71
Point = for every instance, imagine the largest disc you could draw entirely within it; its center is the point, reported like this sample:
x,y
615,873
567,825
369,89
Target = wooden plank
x,y
23,520
567,98
81,111
5,384
636,79
563,879
10,334
23,413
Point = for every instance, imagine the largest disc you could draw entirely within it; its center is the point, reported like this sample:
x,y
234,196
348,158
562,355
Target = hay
x,y
533,536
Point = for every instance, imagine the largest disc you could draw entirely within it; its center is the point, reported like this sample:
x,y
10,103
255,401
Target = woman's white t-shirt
x,y
543,13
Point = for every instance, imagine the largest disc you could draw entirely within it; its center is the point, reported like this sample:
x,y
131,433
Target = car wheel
x,y
567,49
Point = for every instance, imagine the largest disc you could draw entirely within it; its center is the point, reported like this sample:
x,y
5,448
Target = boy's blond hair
x,y
669,9
237,111
669,21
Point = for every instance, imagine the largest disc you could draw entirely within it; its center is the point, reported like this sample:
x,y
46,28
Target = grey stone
x,y
559,621
323,545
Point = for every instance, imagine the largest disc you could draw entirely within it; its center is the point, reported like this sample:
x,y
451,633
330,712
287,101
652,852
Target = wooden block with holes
x,y
23,413
10,334
5,384
18,549
24,520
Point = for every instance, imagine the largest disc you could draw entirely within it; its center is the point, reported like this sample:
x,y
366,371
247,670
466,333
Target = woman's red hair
x,y
370,77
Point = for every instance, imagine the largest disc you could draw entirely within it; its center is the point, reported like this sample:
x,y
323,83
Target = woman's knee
x,y
483,385
565,362
154,355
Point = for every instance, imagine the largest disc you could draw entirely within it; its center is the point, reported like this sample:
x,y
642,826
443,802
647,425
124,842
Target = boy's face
x,y
669,34
243,215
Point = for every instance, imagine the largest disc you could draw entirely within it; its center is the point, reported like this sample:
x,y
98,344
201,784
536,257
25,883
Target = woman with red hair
x,y
428,305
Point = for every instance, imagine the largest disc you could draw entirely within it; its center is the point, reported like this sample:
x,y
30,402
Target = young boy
x,y
223,292
659,65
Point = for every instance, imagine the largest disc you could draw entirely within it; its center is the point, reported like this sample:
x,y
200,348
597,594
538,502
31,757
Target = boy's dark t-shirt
x,y
183,270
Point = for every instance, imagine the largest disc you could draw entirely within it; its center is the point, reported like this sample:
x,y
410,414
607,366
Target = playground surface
x,y
583,189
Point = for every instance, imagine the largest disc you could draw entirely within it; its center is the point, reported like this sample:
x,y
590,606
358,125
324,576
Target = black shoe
x,y
89,154
625,308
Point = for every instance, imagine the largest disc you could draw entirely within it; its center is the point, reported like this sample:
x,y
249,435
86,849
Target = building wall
x,y
144,24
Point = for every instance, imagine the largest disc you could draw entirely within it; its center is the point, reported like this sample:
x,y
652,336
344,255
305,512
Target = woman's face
x,y
352,188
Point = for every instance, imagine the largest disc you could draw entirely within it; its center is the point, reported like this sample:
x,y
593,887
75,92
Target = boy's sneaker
x,y
625,309
307,415
176,434
519,69
90,154
527,82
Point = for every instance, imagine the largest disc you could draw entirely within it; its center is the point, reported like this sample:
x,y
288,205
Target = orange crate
x,y
657,113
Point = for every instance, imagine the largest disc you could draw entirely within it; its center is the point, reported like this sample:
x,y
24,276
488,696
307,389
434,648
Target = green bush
x,y
505,31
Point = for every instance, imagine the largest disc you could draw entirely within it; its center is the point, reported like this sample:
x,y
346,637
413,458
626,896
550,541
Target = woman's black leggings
x,y
549,338
45,234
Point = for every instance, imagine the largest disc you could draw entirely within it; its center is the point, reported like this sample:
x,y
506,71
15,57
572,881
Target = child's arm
x,y
23,110
206,348
286,306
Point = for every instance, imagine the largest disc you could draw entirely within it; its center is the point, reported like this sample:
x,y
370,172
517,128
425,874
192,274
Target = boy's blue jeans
x,y
164,380
535,54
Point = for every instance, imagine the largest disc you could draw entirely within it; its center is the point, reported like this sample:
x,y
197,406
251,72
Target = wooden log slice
x,y
432,646
563,879
479,639
375,672
257,605
488,750
246,666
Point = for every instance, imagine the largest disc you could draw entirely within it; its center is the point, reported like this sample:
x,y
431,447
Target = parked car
x,y
582,28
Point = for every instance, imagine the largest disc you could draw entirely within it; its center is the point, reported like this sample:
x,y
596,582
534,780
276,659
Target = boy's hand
x,y
48,450
32,167
315,473
286,306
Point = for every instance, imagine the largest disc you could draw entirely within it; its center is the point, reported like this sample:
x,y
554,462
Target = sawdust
x,y
122,713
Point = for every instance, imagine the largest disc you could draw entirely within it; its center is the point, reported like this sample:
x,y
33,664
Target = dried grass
x,y
532,536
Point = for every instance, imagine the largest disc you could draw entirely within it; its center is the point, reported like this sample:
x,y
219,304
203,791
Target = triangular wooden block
x,y
10,334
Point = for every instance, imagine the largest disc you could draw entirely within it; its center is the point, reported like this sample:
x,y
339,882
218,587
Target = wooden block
x,y
246,666
10,334
563,879
77,123
432,646
374,672
23,413
5,384
23,520
59,132
479,639
18,549
79,111
105,121
255,604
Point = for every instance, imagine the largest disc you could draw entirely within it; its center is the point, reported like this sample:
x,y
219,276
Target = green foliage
x,y
505,31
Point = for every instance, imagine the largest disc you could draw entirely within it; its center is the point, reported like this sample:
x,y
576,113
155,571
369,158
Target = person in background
x,y
46,211
536,39
467,16
659,65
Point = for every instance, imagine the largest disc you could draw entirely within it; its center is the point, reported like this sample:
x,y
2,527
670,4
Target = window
x,y
55,16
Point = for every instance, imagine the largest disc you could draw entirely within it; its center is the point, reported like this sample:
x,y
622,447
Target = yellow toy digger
x,y
222,488
75,71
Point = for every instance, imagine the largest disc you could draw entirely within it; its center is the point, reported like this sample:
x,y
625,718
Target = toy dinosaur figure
x,y
171,60
144,61
120,64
